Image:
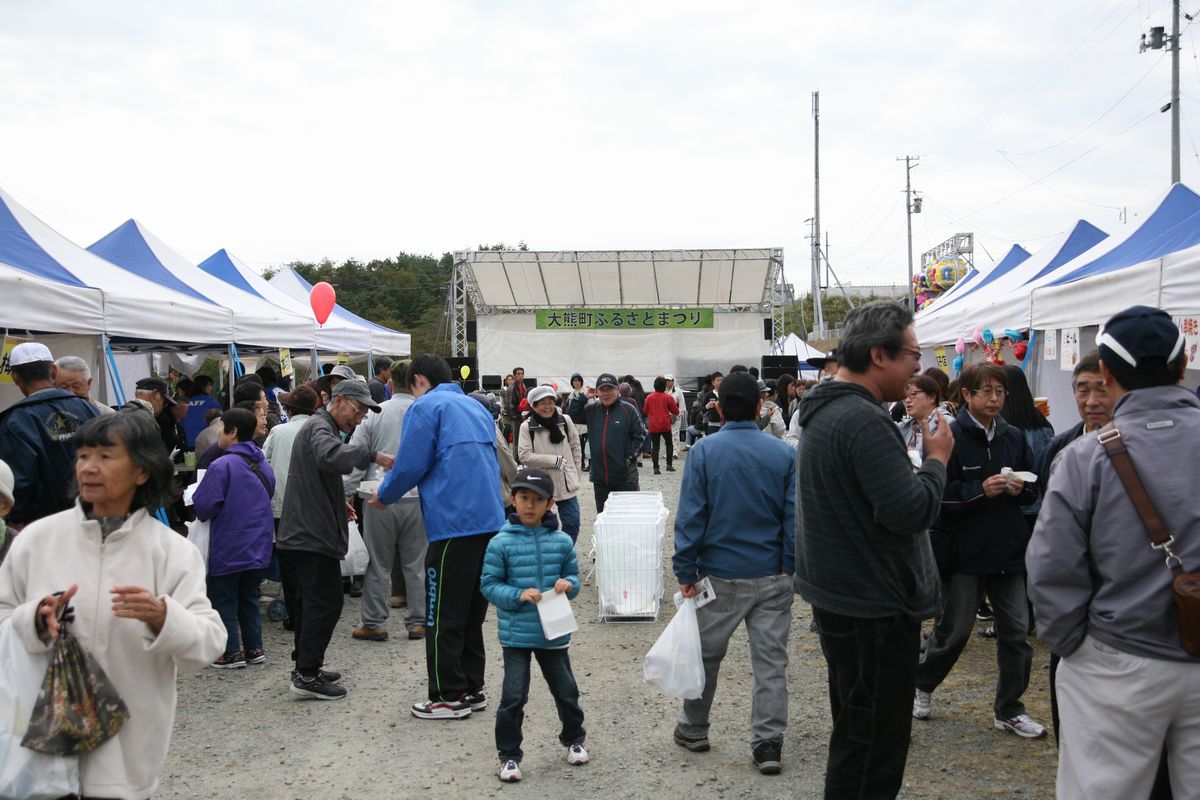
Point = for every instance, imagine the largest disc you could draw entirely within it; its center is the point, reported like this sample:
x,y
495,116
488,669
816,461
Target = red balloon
x,y
1020,349
322,298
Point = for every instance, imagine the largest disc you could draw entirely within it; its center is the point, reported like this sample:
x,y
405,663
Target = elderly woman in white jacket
x,y
548,440
136,587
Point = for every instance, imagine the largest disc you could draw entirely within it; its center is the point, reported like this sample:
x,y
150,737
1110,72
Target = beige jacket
x,y
65,548
535,450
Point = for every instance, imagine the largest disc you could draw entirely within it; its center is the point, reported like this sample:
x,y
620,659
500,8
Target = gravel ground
x,y
242,733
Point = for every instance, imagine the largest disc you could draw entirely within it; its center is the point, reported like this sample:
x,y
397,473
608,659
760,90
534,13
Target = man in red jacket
x,y
661,412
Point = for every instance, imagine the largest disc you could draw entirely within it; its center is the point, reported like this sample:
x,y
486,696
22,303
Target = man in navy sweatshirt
x,y
735,527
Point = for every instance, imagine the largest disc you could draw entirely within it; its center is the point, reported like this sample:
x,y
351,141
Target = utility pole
x,y
1157,41
818,313
909,165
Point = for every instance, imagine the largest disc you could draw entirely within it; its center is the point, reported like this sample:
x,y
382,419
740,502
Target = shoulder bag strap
x,y
253,465
1114,446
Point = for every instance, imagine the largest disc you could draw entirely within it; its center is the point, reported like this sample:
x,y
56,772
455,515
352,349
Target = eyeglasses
x,y
916,394
912,351
990,391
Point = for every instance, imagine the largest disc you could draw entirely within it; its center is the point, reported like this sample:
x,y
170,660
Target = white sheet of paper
x,y
557,617
191,490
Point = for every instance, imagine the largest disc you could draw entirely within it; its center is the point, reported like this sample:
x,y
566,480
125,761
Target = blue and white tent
x,y
256,322
335,335
383,340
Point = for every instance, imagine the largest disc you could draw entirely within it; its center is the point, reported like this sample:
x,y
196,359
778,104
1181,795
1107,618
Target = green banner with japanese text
x,y
573,319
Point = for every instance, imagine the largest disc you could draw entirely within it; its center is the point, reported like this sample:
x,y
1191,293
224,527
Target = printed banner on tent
x,y
5,355
285,362
343,359
1190,328
940,355
573,319
1050,346
1070,348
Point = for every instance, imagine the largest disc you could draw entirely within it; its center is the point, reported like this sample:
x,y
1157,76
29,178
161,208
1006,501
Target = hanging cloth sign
x,y
285,362
940,355
5,356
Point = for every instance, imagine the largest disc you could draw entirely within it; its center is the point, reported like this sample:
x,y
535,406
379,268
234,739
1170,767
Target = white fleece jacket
x,y
66,548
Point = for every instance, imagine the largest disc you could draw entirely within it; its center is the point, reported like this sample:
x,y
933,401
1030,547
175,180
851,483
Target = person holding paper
x,y
526,563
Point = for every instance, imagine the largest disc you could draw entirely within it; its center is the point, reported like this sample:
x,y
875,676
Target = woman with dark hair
x,y
942,380
660,410
138,589
921,403
1020,412
549,440
784,396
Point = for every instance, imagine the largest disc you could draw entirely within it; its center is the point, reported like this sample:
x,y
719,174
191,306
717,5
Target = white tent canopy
x,y
793,345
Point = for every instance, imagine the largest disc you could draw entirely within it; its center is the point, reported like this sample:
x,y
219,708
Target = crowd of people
x,y
883,495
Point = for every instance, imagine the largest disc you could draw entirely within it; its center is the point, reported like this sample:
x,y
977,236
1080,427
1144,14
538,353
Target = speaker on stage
x,y
768,331
492,383
471,330
774,366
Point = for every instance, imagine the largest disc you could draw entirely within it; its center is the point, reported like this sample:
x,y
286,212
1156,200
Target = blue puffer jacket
x,y
520,558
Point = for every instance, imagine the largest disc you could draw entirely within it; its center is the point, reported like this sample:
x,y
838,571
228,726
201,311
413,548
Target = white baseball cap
x,y
668,377
7,482
28,353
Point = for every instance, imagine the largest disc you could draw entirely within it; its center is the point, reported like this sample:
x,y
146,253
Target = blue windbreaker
x,y
448,451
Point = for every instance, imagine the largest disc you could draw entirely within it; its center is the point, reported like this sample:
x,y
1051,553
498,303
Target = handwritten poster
x,y
343,359
1050,346
1190,328
1070,348
940,355
5,355
285,362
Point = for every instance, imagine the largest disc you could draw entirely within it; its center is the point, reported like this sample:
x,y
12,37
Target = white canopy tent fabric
x,y
335,335
793,345
256,323
129,306
384,341
1004,301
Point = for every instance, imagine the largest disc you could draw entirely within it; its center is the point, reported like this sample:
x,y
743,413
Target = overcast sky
x,y
301,130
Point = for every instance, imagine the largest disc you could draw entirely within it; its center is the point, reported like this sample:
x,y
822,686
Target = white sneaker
x,y
1022,725
923,706
510,771
577,754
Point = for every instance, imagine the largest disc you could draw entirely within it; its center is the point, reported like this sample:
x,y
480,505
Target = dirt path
x,y
243,734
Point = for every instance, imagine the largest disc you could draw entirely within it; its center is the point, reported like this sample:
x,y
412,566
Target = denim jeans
x,y
765,604
235,598
872,671
1014,655
556,669
692,434
568,515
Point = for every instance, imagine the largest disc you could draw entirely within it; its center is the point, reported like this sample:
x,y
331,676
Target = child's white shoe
x,y
510,771
577,754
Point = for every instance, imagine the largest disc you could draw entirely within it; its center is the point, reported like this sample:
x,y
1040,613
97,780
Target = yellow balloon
x,y
465,371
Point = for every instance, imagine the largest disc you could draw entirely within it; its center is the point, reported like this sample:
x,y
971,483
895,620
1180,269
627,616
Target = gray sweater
x,y
1090,565
314,510
862,513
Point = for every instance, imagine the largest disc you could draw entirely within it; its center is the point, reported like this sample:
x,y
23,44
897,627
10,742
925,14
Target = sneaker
x,y
768,757
416,632
984,614
396,601
657,471
230,661
922,705
699,745
1022,725
317,688
670,468
441,710
476,701
370,634
256,656
577,755
331,677
987,632
510,771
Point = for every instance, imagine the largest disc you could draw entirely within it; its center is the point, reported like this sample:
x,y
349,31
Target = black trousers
x,y
312,591
603,490
454,654
872,676
665,437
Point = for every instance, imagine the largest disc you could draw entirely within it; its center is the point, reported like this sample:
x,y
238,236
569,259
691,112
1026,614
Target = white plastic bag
x,y
355,562
675,663
198,535
25,774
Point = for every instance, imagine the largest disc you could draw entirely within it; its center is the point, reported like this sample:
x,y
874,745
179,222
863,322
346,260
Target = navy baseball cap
x,y
606,379
1138,334
535,480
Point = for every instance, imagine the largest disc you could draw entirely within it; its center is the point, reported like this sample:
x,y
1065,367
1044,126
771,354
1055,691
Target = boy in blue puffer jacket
x,y
527,557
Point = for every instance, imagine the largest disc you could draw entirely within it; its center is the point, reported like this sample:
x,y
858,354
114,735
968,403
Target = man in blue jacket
x,y
36,436
448,450
735,527
981,508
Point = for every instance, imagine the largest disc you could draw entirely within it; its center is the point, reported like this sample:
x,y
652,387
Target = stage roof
x,y
516,280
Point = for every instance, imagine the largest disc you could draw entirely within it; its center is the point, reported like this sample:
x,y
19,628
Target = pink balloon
x,y
555,385
322,298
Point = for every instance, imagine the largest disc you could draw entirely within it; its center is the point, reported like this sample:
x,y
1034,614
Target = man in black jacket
x,y
982,510
615,434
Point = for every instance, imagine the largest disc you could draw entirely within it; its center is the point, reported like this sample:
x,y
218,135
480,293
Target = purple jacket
x,y
233,498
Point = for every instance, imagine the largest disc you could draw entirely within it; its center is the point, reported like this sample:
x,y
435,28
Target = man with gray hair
x,y
863,558
72,374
